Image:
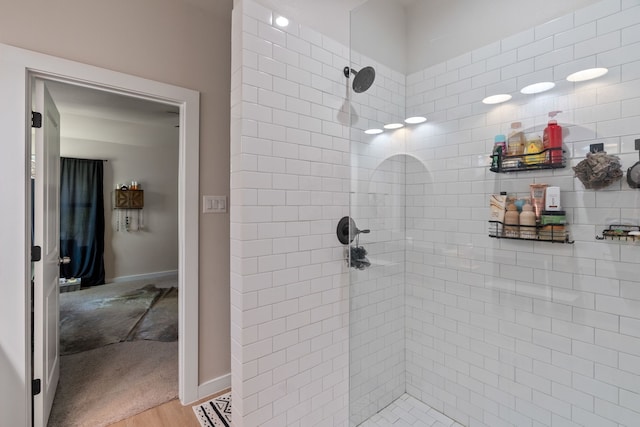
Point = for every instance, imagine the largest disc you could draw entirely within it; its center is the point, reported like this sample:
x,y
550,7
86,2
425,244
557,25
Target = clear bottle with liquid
x,y
516,141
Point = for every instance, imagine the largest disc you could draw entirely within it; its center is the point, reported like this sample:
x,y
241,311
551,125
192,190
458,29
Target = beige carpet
x,y
103,381
101,386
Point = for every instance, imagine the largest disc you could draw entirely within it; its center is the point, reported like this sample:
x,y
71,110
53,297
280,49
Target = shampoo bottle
x,y
528,221
552,140
512,221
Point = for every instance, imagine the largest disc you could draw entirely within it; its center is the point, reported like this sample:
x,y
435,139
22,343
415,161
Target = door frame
x,y
17,68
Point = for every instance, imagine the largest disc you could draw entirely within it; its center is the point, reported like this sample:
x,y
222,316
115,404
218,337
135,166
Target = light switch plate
x,y
214,204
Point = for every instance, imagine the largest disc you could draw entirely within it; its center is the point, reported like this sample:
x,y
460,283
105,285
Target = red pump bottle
x,y
552,139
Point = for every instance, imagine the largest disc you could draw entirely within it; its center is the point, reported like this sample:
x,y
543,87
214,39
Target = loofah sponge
x,y
598,170
359,258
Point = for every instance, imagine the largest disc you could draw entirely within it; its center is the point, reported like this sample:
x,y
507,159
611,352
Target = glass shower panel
x,y
378,203
377,292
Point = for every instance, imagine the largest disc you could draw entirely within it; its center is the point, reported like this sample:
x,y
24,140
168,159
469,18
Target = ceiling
x,y
94,103
88,114
83,101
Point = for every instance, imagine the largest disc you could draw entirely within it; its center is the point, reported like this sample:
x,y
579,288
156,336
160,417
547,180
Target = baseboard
x,y
214,386
146,276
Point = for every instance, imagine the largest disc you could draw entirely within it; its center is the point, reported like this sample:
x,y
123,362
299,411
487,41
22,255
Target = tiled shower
x,y
490,332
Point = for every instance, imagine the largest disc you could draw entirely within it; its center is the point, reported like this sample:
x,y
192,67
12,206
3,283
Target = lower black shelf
x,y
622,232
551,233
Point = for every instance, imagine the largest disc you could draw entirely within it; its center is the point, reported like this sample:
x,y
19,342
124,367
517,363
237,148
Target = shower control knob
x,y
64,260
347,230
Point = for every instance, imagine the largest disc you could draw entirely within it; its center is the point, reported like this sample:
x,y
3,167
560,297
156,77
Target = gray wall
x,y
176,42
153,249
408,36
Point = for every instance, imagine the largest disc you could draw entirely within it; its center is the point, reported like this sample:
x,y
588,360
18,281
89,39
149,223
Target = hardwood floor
x,y
170,414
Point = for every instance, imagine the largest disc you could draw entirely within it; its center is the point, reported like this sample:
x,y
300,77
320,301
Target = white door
x,y
46,351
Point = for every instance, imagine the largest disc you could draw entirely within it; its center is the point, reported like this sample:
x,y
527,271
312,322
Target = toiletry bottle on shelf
x,y
552,199
501,140
533,147
499,150
527,222
537,198
512,221
552,139
516,141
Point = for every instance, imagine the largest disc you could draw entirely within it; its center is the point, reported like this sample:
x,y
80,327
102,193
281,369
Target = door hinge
x,y
36,253
36,119
36,386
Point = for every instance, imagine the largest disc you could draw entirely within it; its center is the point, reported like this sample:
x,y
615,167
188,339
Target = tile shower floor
x,y
407,411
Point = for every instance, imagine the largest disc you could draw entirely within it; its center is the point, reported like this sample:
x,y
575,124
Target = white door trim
x,y
17,67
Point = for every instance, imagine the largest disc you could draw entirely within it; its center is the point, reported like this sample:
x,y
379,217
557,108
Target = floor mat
x,y
216,412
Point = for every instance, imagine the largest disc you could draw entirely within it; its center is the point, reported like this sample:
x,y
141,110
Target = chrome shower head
x,y
363,79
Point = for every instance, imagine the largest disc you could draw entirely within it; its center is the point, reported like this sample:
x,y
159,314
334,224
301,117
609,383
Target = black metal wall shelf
x,y
526,162
551,233
621,232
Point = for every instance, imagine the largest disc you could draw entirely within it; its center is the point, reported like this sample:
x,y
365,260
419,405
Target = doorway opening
x,y
186,103
118,336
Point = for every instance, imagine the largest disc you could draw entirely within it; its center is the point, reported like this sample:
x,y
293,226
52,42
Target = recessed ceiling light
x,y
537,88
415,120
373,131
281,21
496,99
393,126
591,73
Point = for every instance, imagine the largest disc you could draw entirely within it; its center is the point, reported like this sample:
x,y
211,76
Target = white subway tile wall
x,y
289,187
490,332
517,333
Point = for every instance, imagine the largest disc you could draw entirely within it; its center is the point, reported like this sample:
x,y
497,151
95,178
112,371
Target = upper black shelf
x,y
528,162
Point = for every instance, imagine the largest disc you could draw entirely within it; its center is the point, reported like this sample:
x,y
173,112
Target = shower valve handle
x,y
347,230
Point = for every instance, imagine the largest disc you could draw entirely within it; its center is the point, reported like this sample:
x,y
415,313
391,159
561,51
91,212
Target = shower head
x,y
363,79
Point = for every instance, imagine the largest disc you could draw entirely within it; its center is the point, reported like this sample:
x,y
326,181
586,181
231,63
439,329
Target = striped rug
x,y
216,412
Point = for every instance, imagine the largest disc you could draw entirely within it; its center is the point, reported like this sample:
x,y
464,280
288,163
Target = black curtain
x,y
82,219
